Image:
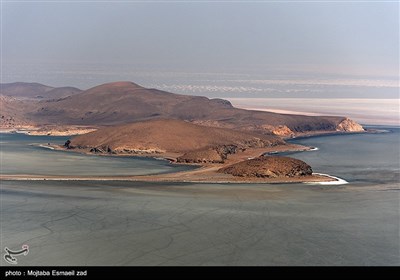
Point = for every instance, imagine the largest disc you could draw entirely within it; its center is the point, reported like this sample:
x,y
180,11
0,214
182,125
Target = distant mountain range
x,y
126,102
36,91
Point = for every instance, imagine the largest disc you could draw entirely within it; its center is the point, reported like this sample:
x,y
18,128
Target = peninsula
x,y
222,154
122,118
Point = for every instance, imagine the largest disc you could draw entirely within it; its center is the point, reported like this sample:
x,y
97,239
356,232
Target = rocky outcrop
x,y
348,125
201,156
269,167
137,151
101,150
120,151
222,102
67,144
225,150
171,136
218,154
280,130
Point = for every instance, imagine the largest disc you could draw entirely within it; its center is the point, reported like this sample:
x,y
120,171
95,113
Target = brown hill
x,y
12,112
171,136
125,102
36,90
269,167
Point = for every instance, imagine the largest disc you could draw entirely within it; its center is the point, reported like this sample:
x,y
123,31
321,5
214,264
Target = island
x,y
221,154
227,144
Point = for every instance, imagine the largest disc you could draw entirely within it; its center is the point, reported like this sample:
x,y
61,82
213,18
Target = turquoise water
x,y
137,223
358,158
21,154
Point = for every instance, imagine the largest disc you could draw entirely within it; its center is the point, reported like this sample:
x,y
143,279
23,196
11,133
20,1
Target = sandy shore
x,y
205,176
317,133
206,173
49,130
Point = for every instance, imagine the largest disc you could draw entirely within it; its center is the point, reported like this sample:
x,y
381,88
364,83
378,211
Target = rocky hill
x,y
269,167
36,91
126,102
194,143
12,112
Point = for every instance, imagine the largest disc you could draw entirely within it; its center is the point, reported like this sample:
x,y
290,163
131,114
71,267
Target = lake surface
x,y
361,159
22,154
135,223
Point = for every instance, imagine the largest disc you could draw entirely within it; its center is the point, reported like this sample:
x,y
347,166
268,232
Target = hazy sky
x,y
332,38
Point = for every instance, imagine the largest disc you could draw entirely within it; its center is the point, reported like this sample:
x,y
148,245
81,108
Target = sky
x,y
212,46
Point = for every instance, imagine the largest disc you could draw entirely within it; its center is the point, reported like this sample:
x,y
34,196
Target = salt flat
x,y
363,110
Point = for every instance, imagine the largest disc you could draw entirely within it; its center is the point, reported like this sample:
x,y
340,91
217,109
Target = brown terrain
x,y
36,91
126,102
18,99
133,120
269,167
171,136
12,113
222,153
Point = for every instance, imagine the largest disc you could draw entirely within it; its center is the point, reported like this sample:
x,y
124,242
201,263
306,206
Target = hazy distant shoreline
x,y
362,110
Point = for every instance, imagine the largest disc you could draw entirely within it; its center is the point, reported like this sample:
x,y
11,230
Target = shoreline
x,y
205,173
72,130
50,130
316,178
171,157
339,181
307,135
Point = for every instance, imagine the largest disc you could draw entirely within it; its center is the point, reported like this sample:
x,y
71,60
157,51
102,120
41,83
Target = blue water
x,y
357,158
149,223
21,154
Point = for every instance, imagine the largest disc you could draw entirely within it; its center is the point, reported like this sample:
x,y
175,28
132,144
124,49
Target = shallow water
x,y
21,154
358,158
135,223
